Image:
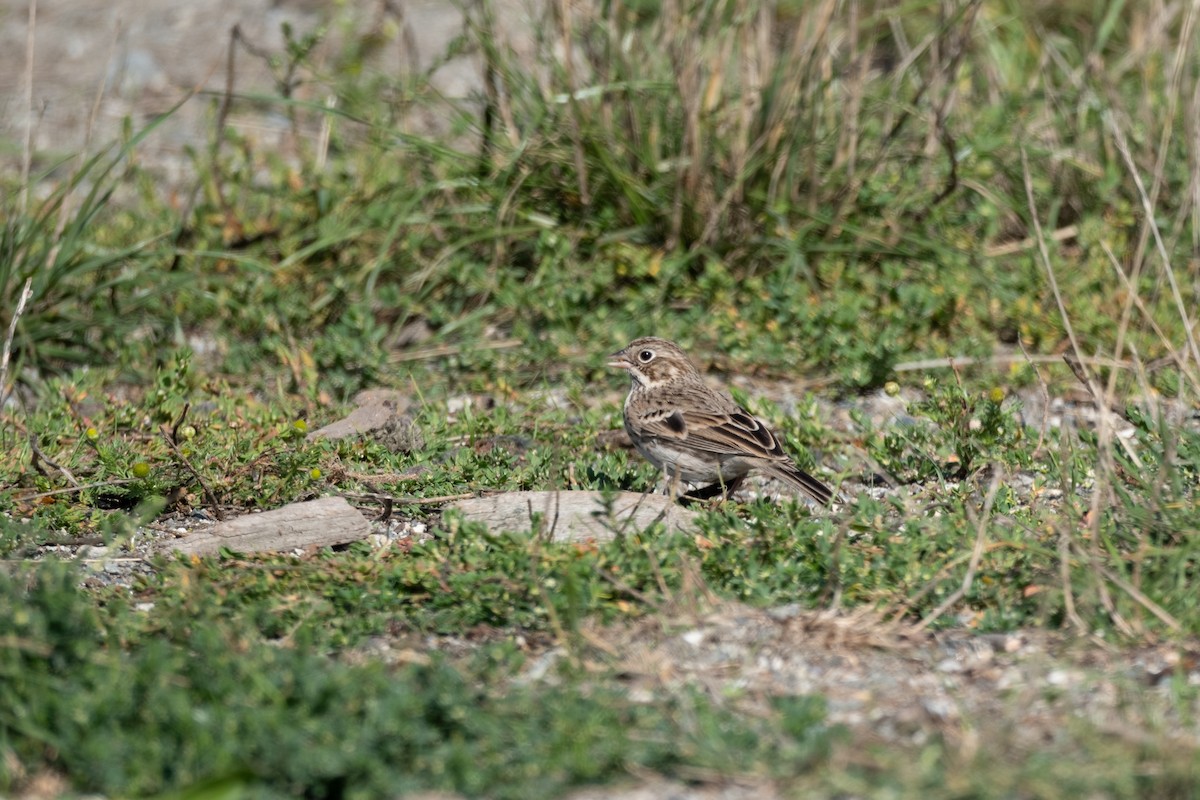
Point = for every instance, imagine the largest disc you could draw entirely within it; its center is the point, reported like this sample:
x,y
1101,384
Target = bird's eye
x,y
645,356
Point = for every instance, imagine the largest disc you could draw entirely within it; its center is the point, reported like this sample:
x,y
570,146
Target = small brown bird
x,y
695,433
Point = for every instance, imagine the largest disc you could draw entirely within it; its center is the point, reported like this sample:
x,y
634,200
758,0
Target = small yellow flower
x,y
300,426
141,470
891,388
92,434
996,395
315,473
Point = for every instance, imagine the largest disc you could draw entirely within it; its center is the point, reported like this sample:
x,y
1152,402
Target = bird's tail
x,y
803,481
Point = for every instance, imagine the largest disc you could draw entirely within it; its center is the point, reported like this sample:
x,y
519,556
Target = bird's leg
x,y
675,481
733,486
671,482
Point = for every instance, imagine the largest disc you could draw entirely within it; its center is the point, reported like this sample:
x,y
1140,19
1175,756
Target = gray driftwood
x,y
315,523
575,516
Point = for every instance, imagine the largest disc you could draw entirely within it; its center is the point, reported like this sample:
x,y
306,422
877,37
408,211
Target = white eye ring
x,y
646,356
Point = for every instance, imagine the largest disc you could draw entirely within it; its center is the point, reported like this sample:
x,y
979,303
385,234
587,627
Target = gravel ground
x,y
96,62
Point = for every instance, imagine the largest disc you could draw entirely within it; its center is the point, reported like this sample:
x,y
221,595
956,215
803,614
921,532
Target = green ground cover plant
x,y
837,191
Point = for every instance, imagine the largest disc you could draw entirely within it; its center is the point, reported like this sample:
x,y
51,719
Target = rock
x,y
575,516
616,439
380,415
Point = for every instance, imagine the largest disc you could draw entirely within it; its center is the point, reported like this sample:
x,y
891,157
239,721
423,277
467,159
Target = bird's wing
x,y
736,432
716,424
715,428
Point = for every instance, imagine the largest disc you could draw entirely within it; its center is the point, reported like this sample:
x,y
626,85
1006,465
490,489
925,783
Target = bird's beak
x,y
619,360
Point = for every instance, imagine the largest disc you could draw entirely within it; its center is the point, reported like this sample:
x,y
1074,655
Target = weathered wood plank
x,y
316,523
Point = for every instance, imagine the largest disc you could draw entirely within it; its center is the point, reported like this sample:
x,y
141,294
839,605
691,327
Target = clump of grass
x,y
97,288
824,187
124,710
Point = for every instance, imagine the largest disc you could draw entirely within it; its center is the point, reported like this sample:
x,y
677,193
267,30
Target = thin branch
x,y
449,350
954,362
209,497
1140,598
38,454
406,500
179,422
79,488
1029,242
1089,385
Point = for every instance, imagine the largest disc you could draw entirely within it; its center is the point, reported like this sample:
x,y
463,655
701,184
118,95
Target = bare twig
x,y
954,362
406,500
235,36
1166,119
491,92
179,422
902,606
1140,598
951,150
385,513
1085,378
450,349
39,456
78,488
1008,248
945,80
209,497
1103,402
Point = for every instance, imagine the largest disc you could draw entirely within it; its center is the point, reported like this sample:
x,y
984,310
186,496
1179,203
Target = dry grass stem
x,y
1189,324
972,565
27,144
6,354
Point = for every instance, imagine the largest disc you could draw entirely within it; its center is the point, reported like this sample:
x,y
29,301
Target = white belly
x,y
690,466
